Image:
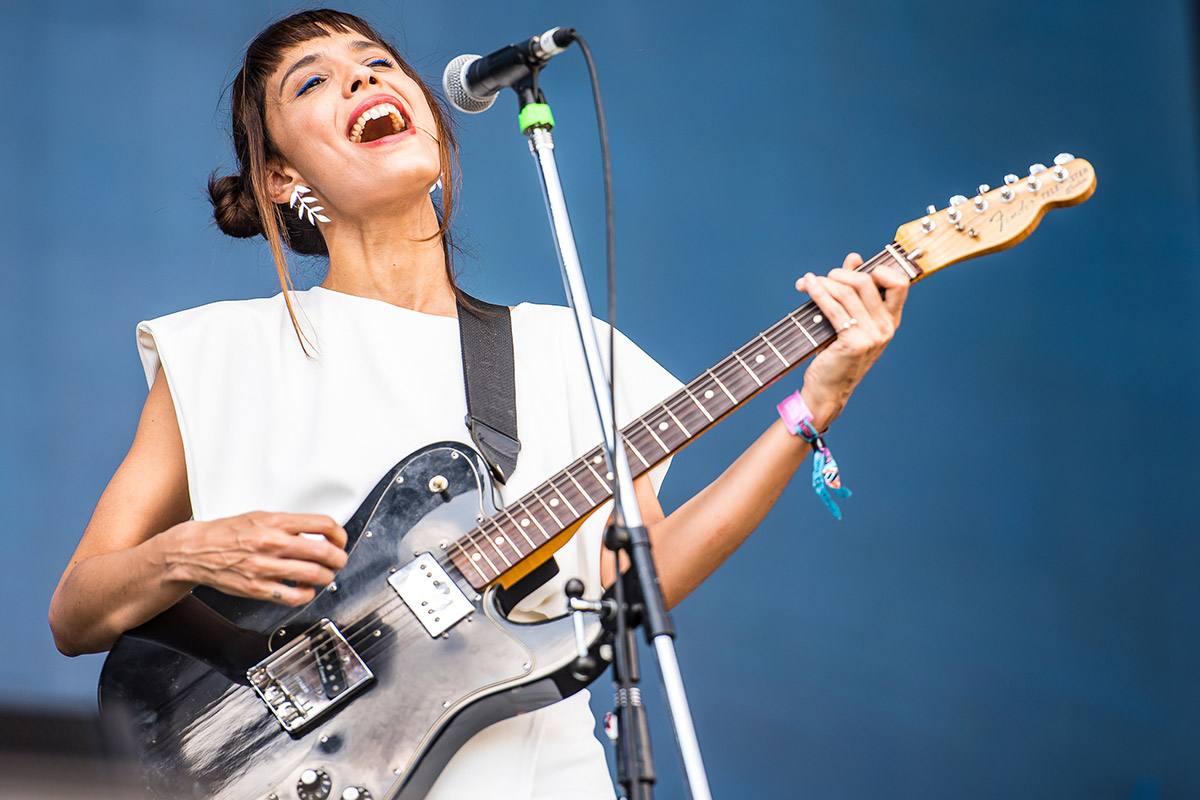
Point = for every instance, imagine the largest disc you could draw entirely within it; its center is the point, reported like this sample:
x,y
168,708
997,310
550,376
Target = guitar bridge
x,y
302,682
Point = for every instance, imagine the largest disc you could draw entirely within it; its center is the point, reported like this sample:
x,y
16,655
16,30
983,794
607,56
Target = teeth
x,y
377,112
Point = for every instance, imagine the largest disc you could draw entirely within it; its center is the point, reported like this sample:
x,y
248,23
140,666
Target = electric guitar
x,y
368,690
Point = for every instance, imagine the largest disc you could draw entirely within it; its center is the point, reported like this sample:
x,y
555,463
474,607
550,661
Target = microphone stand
x,y
628,534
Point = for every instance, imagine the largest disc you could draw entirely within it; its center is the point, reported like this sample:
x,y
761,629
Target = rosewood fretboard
x,y
501,542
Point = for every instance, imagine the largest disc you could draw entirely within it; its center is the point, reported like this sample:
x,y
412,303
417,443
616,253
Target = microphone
x,y
472,82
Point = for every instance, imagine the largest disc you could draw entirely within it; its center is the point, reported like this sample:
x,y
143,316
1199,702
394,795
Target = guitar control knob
x,y
313,784
355,793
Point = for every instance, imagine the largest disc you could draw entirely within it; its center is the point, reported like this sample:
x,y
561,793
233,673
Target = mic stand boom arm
x,y
536,122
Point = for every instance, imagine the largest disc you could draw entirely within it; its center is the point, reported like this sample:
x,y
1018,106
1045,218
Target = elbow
x,y
66,636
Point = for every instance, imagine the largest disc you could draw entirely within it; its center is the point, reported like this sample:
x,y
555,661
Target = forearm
x,y
105,595
695,539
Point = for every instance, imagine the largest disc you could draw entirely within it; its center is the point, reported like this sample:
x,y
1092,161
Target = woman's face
x,y
351,125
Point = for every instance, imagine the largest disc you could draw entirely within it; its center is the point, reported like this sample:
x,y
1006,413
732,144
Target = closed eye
x,y
380,62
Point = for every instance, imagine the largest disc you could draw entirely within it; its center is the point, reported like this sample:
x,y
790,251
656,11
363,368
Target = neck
x,y
396,258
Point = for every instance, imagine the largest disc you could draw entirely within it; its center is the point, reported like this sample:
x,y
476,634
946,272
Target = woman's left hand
x,y
865,322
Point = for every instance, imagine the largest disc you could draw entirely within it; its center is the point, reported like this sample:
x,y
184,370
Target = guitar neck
x,y
531,523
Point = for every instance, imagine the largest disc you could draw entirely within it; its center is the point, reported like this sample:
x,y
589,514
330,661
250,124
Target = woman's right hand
x,y
261,555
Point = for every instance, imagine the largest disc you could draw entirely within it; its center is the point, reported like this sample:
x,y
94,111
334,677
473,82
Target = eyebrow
x,y
312,58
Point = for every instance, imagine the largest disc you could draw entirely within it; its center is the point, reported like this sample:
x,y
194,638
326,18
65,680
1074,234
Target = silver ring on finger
x,y
276,594
848,324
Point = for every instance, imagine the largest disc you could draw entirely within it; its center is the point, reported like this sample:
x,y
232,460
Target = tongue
x,y
377,129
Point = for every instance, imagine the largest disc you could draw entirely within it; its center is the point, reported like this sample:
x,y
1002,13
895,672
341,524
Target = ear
x,y
281,182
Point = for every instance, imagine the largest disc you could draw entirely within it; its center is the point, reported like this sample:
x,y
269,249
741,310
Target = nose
x,y
360,79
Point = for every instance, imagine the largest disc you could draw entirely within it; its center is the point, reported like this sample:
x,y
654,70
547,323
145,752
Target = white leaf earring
x,y
307,206
436,186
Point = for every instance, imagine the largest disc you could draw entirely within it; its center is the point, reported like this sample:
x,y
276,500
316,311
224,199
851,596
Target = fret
x,y
667,409
803,329
666,450
592,470
582,491
778,354
746,367
521,530
732,399
533,517
699,405
564,497
470,561
503,537
549,510
636,452
479,552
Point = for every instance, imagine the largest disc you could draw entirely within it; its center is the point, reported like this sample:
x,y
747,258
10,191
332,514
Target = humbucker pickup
x,y
430,594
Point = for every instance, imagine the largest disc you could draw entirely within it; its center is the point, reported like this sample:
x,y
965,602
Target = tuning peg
x,y
1063,158
954,215
980,203
1033,184
931,210
1010,179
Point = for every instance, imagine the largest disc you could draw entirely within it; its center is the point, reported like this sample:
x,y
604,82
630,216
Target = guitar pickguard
x,y
201,734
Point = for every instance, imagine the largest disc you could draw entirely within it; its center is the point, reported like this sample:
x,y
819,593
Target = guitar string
x,y
731,368
737,376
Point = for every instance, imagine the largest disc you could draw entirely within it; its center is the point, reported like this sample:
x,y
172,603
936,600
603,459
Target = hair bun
x,y
233,207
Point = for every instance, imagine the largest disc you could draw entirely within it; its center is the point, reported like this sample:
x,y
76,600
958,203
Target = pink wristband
x,y
794,411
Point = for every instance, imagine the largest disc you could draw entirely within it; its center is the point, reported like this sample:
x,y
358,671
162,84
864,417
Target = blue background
x,y
1011,605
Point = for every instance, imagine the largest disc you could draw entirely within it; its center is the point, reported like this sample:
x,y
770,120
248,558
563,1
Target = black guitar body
x,y
204,729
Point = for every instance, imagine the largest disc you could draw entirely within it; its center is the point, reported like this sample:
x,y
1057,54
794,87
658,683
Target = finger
x,y
285,544
864,287
852,261
309,523
821,291
278,592
296,571
895,285
842,286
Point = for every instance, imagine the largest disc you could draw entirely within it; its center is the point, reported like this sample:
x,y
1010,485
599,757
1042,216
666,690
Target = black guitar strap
x,y
489,375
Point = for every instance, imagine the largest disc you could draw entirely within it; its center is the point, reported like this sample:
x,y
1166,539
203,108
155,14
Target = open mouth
x,y
377,122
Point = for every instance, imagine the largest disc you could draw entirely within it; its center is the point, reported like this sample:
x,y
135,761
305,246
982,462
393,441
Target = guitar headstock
x,y
995,219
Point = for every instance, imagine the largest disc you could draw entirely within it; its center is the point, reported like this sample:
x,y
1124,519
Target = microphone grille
x,y
454,84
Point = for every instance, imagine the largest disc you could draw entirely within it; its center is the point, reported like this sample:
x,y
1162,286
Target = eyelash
x,y
315,80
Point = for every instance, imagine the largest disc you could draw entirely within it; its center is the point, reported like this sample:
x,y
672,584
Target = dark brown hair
x,y
242,205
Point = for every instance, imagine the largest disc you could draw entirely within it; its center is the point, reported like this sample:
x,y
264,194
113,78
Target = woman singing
x,y
268,421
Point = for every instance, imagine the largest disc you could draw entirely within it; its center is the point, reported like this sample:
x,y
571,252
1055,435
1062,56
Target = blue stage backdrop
x,y
1010,607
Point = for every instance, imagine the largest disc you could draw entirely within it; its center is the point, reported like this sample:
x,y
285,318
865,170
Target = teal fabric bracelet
x,y
826,479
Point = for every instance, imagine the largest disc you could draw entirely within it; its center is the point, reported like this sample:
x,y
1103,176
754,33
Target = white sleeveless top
x,y
265,426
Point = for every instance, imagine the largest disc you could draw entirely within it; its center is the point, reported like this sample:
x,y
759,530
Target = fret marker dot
x,y
499,540
818,318
758,359
662,426
608,476
524,523
708,395
476,556
553,502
